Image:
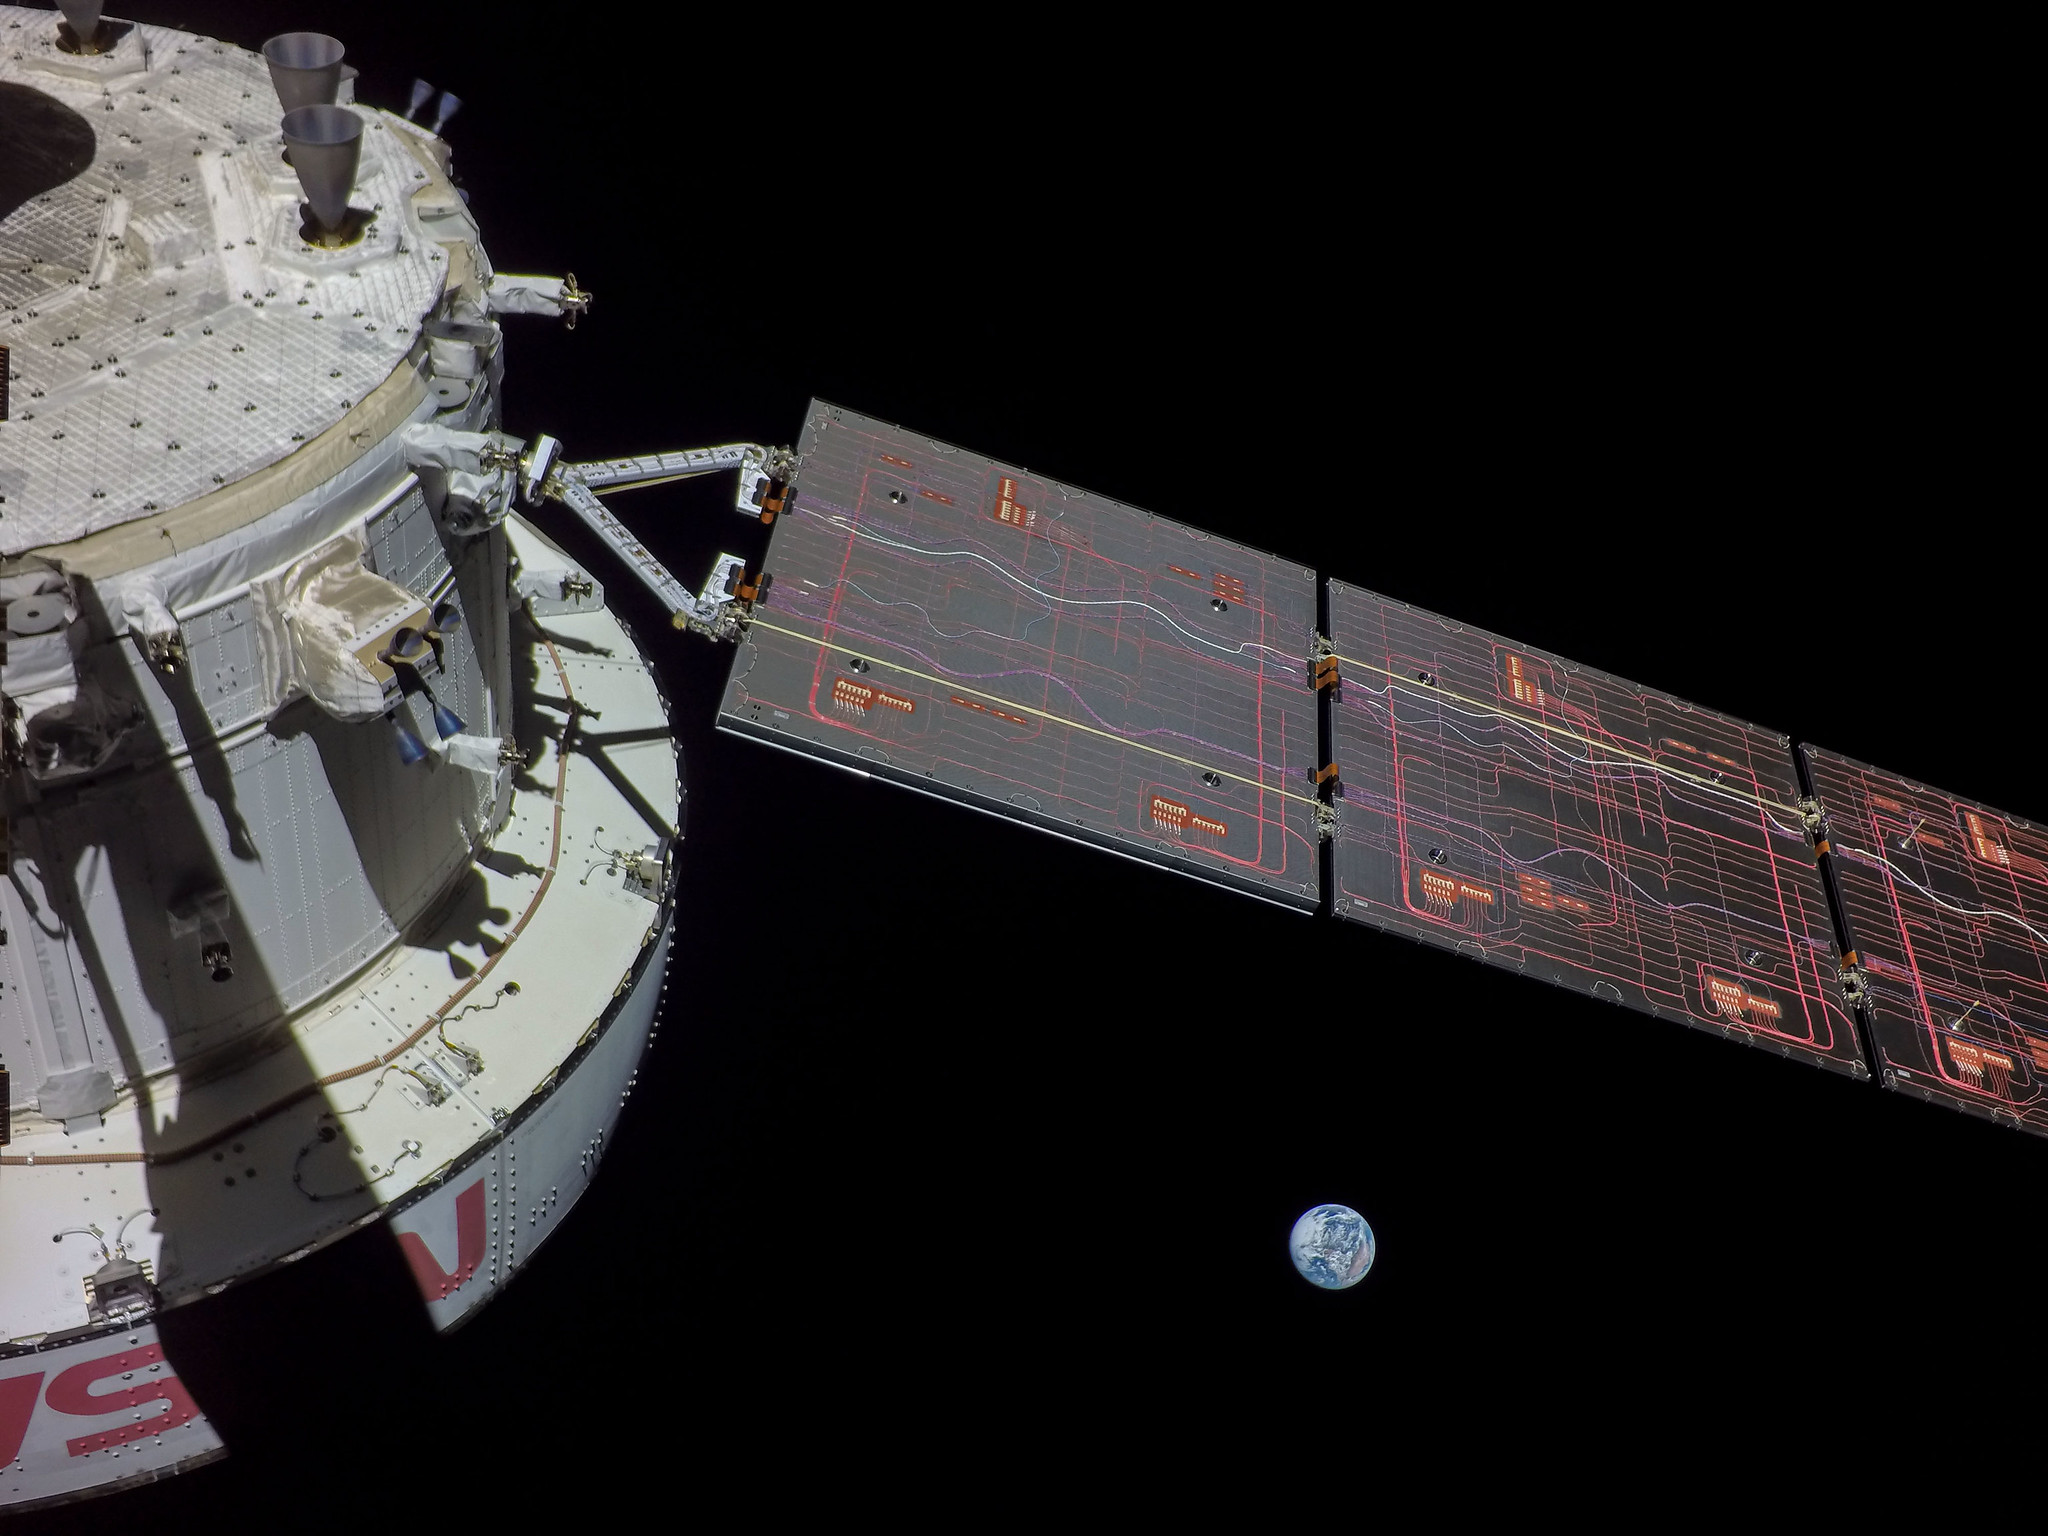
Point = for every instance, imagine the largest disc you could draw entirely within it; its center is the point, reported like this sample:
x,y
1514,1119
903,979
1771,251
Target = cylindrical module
x,y
282,950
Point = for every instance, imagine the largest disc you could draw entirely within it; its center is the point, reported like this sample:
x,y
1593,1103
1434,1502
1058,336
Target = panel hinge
x,y
764,482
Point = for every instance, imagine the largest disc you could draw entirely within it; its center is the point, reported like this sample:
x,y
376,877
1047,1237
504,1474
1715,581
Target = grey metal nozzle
x,y
84,16
326,145
305,67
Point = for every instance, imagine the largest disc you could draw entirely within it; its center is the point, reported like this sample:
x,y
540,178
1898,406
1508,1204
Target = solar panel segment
x,y
1946,905
1541,815
992,636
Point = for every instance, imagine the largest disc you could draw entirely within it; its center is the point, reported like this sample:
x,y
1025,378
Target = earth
x,y
1332,1246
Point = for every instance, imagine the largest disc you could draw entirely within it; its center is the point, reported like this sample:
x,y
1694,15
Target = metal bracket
x,y
554,590
166,653
728,597
121,1291
575,301
535,468
1853,979
720,608
764,482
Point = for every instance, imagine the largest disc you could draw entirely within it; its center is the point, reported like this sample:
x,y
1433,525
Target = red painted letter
x,y
70,1393
434,1281
17,1407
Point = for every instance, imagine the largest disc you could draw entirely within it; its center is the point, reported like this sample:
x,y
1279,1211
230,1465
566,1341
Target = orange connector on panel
x,y
1735,1001
1006,508
1525,690
1991,841
851,697
1170,813
1981,1066
1439,890
1536,892
858,698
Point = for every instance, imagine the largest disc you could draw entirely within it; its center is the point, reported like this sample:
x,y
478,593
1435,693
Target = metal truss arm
x,y
765,473
656,468
717,609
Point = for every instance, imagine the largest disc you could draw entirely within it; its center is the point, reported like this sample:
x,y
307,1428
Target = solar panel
x,y
1544,816
1945,902
992,636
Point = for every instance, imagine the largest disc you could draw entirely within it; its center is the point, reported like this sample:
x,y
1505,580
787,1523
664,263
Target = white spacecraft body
x,y
328,899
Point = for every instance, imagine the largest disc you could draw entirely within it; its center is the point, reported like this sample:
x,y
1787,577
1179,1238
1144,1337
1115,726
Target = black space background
x,y
950,1175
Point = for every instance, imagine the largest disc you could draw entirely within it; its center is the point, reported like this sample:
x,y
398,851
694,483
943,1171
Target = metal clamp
x,y
575,301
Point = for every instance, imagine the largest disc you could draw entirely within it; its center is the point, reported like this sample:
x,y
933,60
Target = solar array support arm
x,y
512,294
656,468
764,473
717,608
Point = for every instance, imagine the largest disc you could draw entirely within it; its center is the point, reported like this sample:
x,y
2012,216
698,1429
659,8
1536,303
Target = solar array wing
x,y
1537,814
1945,902
989,635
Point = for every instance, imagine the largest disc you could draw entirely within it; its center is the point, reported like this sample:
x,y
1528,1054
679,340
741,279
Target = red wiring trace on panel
x,y
988,709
